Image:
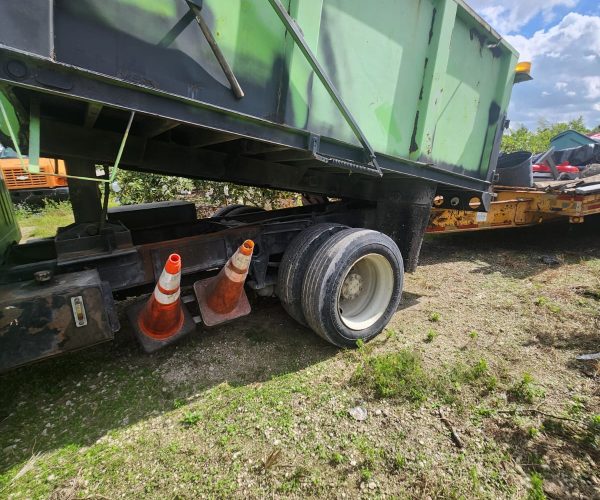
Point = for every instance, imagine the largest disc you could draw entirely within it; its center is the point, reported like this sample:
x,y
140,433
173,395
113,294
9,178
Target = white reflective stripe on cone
x,y
164,299
233,276
169,281
240,260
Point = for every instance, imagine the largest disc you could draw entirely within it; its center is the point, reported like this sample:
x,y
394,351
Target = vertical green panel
x,y
34,136
300,75
431,102
12,117
471,99
250,35
375,58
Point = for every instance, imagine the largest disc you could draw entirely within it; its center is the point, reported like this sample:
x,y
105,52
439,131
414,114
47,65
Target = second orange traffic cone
x,y
222,298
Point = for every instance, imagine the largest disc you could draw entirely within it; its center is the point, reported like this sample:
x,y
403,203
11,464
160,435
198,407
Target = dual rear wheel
x,y
343,283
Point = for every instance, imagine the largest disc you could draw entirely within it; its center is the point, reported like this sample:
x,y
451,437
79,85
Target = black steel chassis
x,y
40,279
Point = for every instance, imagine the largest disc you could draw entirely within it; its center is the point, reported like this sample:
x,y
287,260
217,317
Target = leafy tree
x,y
538,141
136,187
139,187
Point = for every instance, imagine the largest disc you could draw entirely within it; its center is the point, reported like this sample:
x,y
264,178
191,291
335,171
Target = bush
x,y
146,188
538,141
139,187
221,194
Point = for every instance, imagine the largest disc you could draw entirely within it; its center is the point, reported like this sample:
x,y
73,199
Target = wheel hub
x,y
352,287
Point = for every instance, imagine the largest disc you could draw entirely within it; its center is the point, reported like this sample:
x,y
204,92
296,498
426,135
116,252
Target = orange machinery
x,y
29,187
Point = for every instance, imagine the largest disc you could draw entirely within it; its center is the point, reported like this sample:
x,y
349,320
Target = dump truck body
x,y
381,107
408,71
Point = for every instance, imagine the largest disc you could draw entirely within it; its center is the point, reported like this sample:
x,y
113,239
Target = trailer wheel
x,y
231,210
294,264
353,286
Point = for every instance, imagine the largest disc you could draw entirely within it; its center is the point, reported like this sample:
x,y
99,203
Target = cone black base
x,y
212,318
150,344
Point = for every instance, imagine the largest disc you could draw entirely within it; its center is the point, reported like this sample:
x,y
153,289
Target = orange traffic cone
x,y
222,298
163,319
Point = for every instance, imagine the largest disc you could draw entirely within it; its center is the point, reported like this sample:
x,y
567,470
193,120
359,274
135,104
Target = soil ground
x,y
473,391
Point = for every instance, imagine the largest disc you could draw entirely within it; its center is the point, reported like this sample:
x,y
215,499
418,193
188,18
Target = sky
x,y
562,40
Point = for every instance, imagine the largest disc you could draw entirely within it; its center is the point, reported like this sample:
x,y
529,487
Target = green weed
x,y
435,317
191,418
431,335
366,474
398,375
536,492
399,461
593,430
525,390
337,458
545,302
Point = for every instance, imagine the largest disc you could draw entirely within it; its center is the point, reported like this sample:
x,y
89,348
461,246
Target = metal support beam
x,y
150,130
177,30
235,85
92,113
84,195
199,138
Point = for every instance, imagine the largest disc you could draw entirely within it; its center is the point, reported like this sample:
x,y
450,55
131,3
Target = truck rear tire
x,y
353,286
294,264
238,209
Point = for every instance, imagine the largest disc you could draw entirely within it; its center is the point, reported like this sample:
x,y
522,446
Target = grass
x,y
260,407
43,222
399,375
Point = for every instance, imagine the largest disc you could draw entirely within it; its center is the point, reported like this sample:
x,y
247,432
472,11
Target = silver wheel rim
x,y
365,292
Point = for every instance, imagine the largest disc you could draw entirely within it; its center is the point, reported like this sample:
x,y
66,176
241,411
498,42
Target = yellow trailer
x,y
518,207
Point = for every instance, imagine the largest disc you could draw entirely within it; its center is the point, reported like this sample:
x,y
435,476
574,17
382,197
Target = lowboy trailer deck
x,y
553,201
382,107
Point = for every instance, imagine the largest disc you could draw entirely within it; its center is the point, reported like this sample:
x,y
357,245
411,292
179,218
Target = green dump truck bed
x,y
426,84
